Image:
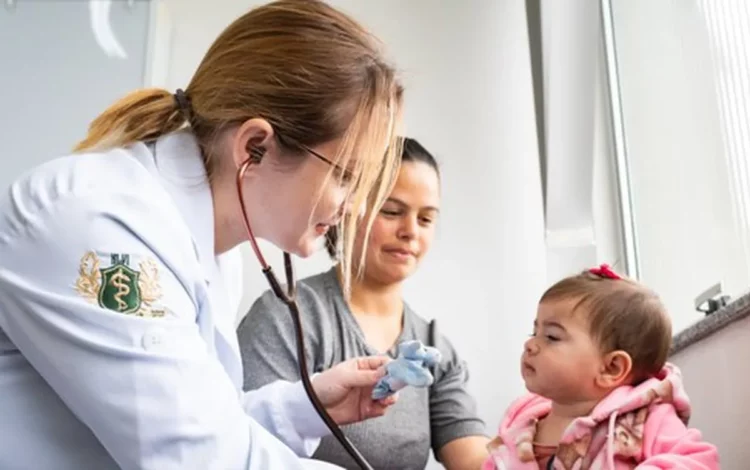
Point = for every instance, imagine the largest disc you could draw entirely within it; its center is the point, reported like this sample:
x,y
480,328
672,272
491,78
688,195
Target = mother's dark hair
x,y
412,152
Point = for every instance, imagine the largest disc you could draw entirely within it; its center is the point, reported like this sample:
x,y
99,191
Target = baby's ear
x,y
615,369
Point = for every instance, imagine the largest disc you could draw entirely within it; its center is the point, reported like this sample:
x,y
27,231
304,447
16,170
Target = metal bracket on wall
x,y
712,299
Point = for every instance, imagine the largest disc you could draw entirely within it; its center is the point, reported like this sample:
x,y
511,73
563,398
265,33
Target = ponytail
x,y
139,116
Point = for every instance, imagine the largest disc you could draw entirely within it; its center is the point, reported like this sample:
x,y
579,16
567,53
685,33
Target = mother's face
x,y
403,230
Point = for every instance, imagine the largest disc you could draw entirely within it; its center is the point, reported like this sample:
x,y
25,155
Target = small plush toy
x,y
409,368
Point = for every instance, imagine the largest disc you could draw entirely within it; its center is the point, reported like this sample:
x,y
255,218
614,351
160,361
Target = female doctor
x,y
119,273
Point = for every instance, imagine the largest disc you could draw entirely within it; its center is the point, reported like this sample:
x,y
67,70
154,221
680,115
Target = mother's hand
x,y
345,389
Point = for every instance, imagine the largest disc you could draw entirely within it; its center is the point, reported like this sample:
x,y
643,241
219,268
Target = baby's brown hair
x,y
622,315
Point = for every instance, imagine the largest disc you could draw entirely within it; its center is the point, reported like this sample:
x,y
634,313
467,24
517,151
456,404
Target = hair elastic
x,y
604,271
183,102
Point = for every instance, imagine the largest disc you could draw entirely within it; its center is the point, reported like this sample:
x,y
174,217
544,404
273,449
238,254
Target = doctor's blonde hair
x,y
311,71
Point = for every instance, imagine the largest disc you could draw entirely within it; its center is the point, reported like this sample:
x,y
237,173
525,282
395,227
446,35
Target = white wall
x,y
469,100
721,410
56,77
687,234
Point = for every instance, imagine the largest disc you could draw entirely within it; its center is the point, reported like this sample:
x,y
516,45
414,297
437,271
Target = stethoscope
x,y
289,298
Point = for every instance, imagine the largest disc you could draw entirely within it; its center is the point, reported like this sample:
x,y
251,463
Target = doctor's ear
x,y
253,139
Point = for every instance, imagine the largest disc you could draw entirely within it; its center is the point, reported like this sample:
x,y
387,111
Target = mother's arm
x,y
464,453
458,434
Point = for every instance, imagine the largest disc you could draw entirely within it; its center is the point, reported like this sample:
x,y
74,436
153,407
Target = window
x,y
684,89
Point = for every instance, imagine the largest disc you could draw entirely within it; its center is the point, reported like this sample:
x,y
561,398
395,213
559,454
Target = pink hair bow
x,y
604,271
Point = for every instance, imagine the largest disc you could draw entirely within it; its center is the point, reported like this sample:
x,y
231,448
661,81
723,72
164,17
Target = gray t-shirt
x,y
421,419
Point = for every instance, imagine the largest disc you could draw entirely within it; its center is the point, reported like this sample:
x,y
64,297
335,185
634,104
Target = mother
x,y
375,320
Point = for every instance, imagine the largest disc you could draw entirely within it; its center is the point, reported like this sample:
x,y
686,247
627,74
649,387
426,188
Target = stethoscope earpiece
x,y
256,154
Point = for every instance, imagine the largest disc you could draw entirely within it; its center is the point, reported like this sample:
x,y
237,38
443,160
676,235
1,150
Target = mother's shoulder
x,y
313,294
321,282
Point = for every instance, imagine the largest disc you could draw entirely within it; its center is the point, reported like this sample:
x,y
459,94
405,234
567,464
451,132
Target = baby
x,y
602,394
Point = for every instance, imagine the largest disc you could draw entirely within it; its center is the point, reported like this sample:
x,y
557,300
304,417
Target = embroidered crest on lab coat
x,y
120,287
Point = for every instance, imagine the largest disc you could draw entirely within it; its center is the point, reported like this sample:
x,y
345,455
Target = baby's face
x,y
561,361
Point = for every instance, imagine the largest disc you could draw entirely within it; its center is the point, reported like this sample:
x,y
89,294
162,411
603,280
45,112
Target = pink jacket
x,y
642,427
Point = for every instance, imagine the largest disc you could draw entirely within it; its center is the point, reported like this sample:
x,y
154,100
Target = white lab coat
x,y
117,340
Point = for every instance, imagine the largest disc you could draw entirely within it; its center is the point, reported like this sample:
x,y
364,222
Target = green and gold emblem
x,y
119,290
119,287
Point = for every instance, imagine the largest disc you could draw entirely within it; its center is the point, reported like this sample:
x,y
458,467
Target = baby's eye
x,y
553,338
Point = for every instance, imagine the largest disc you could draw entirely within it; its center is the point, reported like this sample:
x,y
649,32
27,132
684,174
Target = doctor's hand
x,y
345,389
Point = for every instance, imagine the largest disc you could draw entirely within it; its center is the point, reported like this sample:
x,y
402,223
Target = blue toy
x,y
409,368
